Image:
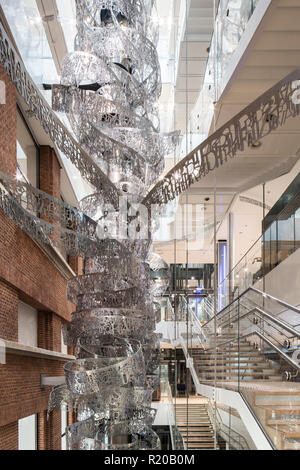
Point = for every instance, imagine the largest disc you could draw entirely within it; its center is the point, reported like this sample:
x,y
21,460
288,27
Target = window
x,y
27,431
27,325
27,154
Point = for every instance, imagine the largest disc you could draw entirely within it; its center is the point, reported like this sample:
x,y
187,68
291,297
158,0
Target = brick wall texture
x,y
28,274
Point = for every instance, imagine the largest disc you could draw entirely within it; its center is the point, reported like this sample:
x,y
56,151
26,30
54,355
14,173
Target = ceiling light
x,y
256,144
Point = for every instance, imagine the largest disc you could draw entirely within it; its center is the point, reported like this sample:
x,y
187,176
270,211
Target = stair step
x,y
193,427
228,353
247,374
187,423
241,368
201,446
271,398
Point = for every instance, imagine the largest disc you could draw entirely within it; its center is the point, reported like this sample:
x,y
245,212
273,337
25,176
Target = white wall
x,y
162,416
237,425
27,325
283,281
28,433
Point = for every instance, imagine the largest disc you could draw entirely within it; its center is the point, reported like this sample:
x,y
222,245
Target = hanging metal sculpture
x,y
109,86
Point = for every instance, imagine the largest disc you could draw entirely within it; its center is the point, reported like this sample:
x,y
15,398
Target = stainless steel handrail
x,y
265,314
263,294
266,340
220,423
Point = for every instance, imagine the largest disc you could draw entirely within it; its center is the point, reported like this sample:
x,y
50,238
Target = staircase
x,y
234,361
195,427
275,403
277,407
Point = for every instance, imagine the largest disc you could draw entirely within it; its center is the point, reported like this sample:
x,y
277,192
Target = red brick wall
x,y
76,264
27,273
24,266
9,437
49,431
9,301
49,172
49,331
20,391
8,128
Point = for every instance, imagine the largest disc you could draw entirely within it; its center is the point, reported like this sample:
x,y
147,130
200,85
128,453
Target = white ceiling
x,y
193,58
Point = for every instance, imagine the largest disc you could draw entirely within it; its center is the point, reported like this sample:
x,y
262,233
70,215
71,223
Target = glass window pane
x,y
27,154
297,228
286,234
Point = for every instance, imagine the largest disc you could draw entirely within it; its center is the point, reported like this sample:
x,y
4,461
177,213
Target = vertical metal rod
x,y
187,212
175,242
215,228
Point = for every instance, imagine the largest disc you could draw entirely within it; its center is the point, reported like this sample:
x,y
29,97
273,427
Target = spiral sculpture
x,y
109,88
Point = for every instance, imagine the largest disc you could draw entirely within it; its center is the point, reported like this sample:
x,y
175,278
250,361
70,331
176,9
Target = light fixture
x,y
256,144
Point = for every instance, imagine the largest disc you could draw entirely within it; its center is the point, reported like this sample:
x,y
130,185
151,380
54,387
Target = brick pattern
x,y
24,266
28,274
20,391
8,127
49,431
49,331
9,437
9,301
49,172
76,263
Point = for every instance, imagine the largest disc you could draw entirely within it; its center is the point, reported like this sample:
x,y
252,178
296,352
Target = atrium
x,y
149,234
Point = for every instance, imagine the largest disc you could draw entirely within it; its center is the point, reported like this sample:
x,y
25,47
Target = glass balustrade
x,y
229,427
176,437
255,351
231,22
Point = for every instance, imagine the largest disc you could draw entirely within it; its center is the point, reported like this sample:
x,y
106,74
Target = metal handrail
x,y
218,423
200,333
263,294
266,340
270,317
174,426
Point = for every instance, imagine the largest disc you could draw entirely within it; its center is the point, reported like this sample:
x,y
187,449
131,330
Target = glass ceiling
x,y
28,28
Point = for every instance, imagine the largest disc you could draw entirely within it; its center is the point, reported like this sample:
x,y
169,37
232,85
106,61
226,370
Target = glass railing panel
x,y
277,407
297,228
286,238
230,430
176,437
253,353
231,21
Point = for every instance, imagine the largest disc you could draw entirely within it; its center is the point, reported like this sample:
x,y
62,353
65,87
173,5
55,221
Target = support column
x,y
8,127
49,331
49,171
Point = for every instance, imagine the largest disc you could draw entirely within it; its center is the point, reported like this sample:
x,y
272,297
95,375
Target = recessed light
x,y
256,145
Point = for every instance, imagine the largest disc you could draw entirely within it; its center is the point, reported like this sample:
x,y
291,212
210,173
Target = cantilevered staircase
x,y
254,352
195,426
